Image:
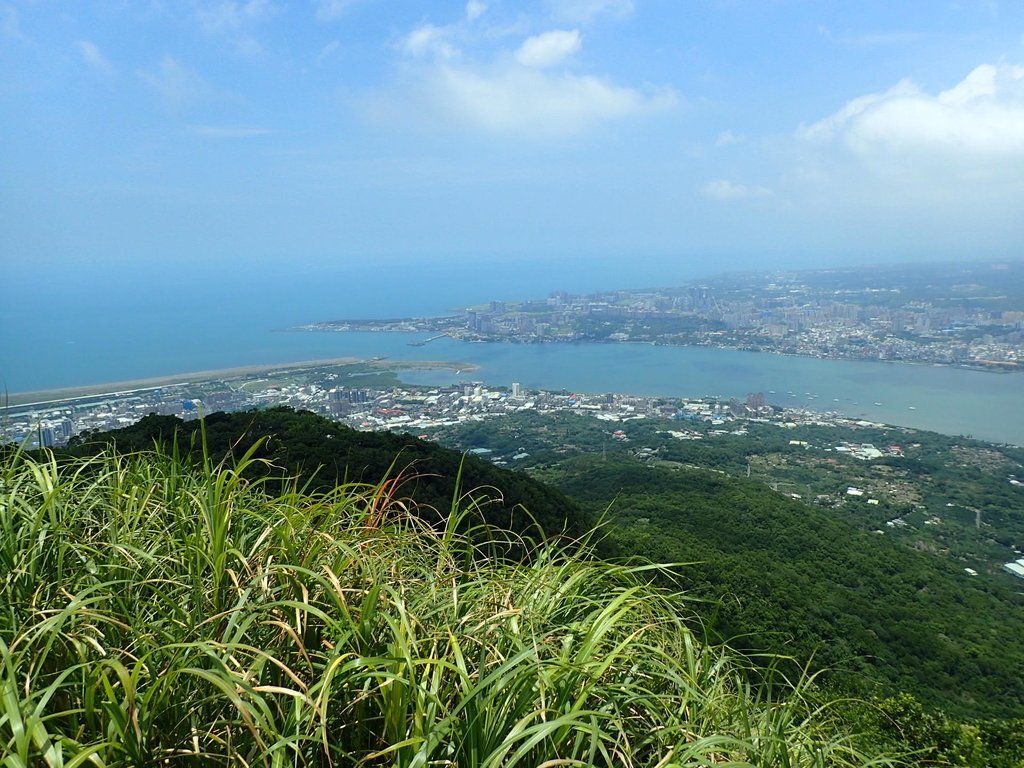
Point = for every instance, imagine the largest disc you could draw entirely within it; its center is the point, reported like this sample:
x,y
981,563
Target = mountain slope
x,y
153,613
778,576
324,454
787,576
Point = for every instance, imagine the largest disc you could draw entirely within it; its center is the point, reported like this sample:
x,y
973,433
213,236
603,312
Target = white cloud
x,y
94,57
944,165
722,189
230,14
250,48
548,48
429,39
327,51
982,116
176,84
584,11
459,78
518,100
329,10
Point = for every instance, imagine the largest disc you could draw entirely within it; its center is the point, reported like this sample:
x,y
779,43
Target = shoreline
x,y
128,386
981,366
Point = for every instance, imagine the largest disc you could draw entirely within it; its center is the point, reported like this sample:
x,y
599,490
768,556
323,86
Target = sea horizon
x,y
86,327
94,329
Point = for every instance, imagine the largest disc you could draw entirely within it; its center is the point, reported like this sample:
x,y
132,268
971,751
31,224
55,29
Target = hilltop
x,y
324,454
780,576
160,610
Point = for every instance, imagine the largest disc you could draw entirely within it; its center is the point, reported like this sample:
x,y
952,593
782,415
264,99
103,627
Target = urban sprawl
x,y
327,390
950,319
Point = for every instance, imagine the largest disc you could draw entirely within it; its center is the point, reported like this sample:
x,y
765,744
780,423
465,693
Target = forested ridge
x,y
323,454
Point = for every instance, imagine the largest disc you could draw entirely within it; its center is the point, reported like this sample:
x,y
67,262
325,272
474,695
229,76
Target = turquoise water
x,y
954,401
90,326
91,329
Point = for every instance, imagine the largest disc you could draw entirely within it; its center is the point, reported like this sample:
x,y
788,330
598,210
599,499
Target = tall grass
x,y
156,615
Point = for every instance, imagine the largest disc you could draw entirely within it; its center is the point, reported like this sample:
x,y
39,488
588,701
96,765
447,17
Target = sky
x,y
645,134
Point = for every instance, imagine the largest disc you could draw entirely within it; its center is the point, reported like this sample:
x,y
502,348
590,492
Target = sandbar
x,y
46,396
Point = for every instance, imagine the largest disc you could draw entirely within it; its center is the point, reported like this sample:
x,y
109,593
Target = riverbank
x,y
953,401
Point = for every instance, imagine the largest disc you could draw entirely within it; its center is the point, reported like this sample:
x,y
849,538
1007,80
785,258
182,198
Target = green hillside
x,y
782,577
158,613
323,454
785,576
773,575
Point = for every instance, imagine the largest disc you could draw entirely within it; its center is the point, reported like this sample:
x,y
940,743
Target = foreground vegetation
x,y
815,590
155,613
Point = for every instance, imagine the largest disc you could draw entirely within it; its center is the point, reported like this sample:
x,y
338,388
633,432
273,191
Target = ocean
x,y
92,328
84,325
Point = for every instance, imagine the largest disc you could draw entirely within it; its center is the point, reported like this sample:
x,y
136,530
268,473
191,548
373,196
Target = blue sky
x,y
249,133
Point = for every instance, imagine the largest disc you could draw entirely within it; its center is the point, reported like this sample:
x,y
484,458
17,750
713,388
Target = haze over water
x,y
85,326
97,329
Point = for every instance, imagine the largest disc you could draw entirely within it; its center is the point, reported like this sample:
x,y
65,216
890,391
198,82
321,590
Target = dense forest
x,y
817,579
784,576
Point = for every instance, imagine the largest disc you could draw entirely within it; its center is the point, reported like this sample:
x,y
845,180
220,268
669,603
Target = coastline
x,y
378,326
62,394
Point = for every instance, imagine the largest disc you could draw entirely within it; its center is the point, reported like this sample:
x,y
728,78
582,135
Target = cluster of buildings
x,y
412,410
813,314
329,392
867,451
801,322
1016,567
